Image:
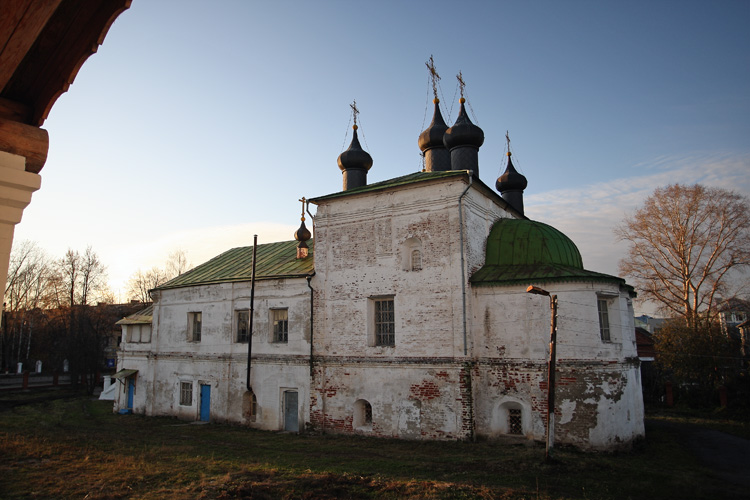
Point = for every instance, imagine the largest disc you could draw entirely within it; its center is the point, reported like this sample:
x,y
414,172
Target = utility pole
x,y
550,368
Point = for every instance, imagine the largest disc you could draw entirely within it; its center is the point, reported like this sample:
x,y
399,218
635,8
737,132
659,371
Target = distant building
x,y
407,316
651,325
732,313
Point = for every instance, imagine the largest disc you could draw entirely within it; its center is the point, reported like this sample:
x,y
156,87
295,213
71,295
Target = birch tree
x,y
29,274
684,243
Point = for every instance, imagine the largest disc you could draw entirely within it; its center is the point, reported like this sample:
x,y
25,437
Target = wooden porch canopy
x,y
43,44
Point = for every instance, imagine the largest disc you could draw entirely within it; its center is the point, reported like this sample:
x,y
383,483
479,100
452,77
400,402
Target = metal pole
x,y
551,377
250,315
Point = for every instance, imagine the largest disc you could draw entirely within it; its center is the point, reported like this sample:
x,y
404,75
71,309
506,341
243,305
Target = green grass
x,y
76,448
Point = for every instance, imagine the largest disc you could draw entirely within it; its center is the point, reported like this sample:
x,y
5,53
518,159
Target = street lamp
x,y
550,367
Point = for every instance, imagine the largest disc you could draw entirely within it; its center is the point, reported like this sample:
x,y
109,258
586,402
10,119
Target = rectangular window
x,y
186,393
139,333
603,318
243,326
280,322
384,322
194,326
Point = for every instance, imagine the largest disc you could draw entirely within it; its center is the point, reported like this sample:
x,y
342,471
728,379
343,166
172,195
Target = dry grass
x,y
76,448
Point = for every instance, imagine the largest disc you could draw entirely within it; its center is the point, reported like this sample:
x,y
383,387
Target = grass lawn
x,y
77,448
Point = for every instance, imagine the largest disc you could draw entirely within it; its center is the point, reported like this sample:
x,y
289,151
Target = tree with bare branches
x,y
684,243
26,290
141,282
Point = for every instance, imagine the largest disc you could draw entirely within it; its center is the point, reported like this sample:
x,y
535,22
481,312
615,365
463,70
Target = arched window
x,y
416,259
510,417
411,254
362,415
515,421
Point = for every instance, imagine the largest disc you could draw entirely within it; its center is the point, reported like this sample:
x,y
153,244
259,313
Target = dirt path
x,y
728,456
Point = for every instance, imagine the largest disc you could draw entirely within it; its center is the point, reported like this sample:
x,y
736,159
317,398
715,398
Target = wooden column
x,y
23,151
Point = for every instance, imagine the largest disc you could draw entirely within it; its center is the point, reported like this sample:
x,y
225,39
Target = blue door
x,y
205,403
131,392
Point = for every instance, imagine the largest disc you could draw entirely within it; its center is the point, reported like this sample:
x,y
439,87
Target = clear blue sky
x,y
198,124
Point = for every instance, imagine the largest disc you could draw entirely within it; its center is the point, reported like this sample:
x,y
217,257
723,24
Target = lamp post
x,y
550,367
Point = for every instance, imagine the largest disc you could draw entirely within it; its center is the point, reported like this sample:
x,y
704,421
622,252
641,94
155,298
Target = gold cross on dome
x,y
355,111
461,83
433,75
303,200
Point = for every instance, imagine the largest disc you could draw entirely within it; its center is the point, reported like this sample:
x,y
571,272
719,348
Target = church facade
x,y
406,316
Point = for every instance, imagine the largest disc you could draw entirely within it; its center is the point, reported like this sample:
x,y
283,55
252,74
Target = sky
x,y
199,124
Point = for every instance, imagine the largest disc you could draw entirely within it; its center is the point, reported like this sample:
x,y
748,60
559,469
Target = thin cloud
x,y
589,214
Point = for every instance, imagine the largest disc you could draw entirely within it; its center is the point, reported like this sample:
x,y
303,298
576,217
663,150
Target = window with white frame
x,y
139,333
194,326
243,325
384,321
603,309
280,325
186,393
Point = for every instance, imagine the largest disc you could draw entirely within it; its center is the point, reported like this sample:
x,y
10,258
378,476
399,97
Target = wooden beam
x,y
14,111
25,140
22,21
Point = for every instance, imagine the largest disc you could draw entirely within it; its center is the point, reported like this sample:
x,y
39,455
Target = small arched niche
x,y
511,418
412,254
362,415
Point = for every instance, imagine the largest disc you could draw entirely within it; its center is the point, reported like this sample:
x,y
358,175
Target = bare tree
x,y
28,274
141,282
26,290
80,279
177,264
684,241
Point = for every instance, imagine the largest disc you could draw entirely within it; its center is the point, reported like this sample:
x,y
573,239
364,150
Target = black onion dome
x,y
302,234
463,132
355,157
511,180
432,136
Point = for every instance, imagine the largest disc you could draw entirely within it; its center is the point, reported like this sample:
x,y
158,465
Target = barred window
x,y
384,322
416,260
280,321
186,393
515,424
603,319
243,326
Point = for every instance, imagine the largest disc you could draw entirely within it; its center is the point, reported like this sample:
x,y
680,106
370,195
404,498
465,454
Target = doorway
x,y
131,392
291,413
205,403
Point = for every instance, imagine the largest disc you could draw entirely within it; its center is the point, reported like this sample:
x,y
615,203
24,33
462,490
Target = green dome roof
x,y
518,242
524,251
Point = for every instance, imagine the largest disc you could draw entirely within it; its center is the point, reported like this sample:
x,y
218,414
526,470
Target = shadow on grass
x,y
75,448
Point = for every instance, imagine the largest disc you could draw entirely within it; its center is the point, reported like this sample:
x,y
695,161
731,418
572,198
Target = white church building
x,y
406,316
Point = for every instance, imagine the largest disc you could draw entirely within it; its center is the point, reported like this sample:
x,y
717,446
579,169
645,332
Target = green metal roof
x,y
391,183
275,260
515,275
526,242
524,251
